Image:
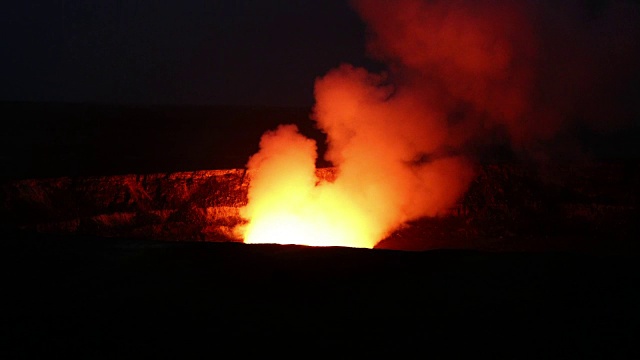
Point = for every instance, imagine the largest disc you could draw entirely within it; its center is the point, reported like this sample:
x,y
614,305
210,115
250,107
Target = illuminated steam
x,y
459,72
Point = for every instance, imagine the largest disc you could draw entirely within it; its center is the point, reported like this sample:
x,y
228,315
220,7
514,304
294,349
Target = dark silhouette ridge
x,y
73,139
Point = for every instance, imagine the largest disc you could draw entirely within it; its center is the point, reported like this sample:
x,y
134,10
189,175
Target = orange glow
x,y
327,220
461,74
289,205
374,141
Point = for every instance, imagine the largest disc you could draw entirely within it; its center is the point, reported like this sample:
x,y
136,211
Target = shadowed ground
x,y
112,297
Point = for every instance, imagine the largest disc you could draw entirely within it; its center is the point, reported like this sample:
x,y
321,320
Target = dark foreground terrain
x,y
101,297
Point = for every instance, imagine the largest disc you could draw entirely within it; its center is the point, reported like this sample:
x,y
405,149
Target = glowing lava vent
x,y
288,204
377,143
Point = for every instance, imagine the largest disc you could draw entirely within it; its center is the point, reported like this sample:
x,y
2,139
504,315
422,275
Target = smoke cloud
x,y
535,70
460,74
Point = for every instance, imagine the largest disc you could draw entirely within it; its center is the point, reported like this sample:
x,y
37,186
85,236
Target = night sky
x,y
229,52
259,53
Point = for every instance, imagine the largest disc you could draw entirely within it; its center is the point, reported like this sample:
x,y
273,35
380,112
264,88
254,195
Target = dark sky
x,y
238,52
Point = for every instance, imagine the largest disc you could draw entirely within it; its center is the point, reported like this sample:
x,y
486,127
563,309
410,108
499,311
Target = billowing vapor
x,y
532,69
460,73
389,169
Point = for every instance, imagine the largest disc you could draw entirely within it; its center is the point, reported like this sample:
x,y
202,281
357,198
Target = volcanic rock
x,y
506,207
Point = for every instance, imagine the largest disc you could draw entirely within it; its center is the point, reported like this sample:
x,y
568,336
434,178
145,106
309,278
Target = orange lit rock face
x,y
506,208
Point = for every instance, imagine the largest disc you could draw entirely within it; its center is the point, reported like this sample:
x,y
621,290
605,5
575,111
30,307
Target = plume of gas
x,y
460,72
287,204
537,69
390,168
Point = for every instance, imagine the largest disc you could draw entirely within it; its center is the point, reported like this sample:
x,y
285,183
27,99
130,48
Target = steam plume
x,y
534,69
459,72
